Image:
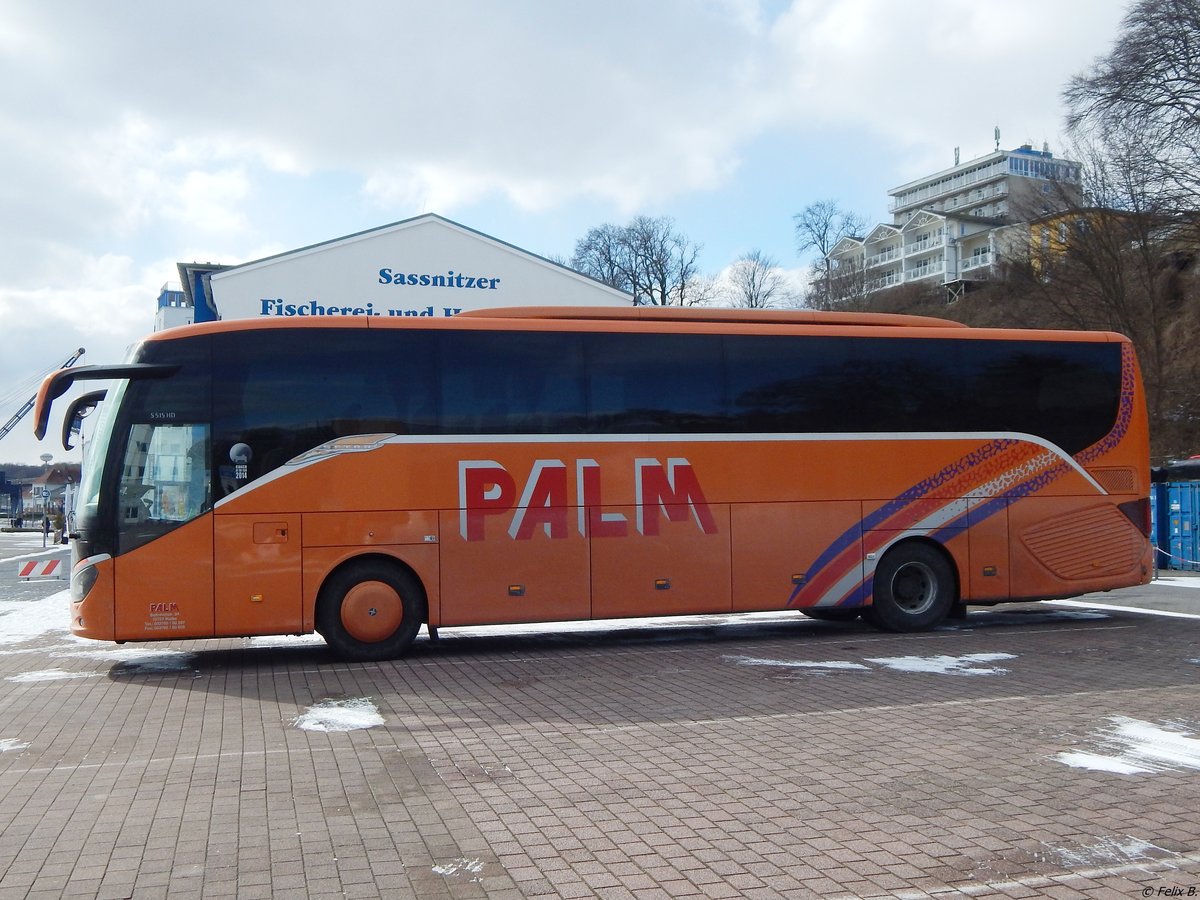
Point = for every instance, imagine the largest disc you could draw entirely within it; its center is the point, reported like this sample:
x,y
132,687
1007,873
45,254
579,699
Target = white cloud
x,y
137,131
467,94
104,292
439,106
211,201
939,75
101,303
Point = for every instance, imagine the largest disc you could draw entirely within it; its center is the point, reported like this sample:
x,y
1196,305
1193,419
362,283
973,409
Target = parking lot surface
x,y
1032,750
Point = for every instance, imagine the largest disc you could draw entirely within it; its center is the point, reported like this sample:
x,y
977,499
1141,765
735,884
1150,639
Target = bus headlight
x,y
82,581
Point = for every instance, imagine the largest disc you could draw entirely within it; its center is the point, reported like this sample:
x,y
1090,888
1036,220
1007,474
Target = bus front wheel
x,y
913,589
370,610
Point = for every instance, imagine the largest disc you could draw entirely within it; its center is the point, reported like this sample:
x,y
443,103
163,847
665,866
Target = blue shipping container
x,y
1160,535
1180,515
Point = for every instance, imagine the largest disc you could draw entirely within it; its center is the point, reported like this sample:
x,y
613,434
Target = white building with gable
x,y
953,227
424,266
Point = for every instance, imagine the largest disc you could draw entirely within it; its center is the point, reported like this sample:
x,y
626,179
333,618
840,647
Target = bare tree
x,y
821,225
602,254
756,282
648,258
1116,262
665,262
1129,255
840,287
1147,90
704,290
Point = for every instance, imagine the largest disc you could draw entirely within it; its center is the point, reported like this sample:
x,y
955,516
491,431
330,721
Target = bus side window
x,y
510,383
667,383
282,405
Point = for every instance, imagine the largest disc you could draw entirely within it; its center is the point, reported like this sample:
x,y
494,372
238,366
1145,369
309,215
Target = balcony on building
x,y
928,190
977,260
878,259
928,244
887,279
925,270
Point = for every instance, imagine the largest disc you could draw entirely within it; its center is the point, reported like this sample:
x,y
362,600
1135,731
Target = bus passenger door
x,y
258,574
163,572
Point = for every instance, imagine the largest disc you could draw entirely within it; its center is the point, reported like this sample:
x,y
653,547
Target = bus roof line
x,y
725,316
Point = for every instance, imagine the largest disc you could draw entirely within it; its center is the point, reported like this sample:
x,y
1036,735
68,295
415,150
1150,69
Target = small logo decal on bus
x,y
486,488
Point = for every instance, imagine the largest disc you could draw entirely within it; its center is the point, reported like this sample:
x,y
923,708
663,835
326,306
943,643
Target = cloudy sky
x,y
137,134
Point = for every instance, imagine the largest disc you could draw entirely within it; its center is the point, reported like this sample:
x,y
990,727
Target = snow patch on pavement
x,y
24,556
933,665
946,665
288,640
7,744
584,626
819,667
48,675
41,649
1140,610
1133,747
1098,763
22,621
339,715
1111,851
460,866
1167,581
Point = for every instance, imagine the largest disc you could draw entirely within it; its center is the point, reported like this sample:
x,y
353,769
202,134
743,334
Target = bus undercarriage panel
x,y
497,578
257,574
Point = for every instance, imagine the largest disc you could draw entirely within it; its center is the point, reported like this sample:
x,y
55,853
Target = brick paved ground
x,y
773,758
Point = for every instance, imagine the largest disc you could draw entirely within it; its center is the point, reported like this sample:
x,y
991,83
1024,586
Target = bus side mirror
x,y
78,411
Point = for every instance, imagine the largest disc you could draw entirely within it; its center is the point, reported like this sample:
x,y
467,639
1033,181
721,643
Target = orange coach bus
x,y
361,476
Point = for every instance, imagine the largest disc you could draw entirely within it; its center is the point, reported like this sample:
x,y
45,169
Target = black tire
x,y
914,589
370,610
832,614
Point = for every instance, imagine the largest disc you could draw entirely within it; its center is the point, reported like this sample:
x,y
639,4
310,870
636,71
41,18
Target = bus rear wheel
x,y
370,610
914,589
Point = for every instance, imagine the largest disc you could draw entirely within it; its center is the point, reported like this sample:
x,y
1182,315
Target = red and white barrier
x,y
47,568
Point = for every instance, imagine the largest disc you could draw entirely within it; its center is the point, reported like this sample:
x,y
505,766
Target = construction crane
x,y
20,414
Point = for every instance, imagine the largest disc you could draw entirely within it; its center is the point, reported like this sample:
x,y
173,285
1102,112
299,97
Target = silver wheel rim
x,y
914,588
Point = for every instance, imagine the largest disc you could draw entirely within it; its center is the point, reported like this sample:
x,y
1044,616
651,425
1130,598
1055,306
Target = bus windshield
x,y
97,450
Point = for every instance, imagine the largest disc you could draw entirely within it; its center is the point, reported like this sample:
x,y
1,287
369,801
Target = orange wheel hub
x,y
372,611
